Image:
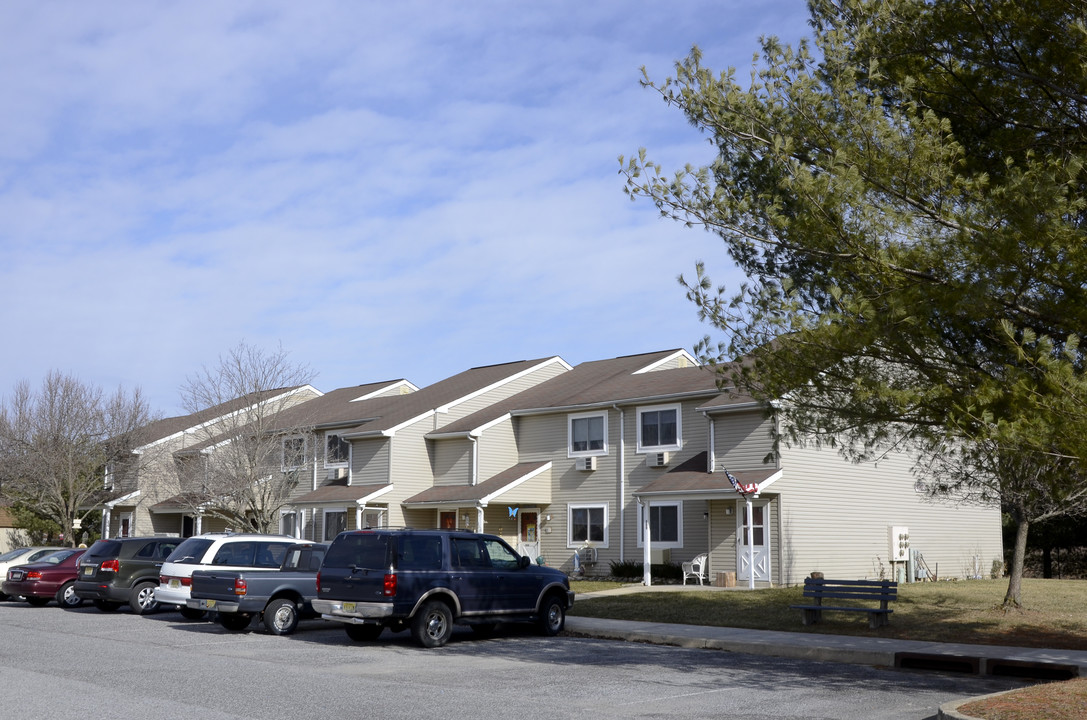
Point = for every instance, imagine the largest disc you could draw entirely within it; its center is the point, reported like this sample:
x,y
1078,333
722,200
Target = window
x,y
588,523
665,525
337,450
502,558
294,452
288,524
659,428
588,435
335,523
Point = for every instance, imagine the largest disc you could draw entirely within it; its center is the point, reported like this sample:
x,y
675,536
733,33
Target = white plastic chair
x,y
695,569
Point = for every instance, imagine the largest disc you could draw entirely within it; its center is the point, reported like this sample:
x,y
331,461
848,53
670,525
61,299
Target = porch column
x,y
647,555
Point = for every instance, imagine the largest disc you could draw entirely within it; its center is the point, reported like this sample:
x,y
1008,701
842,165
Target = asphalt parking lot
x,y
117,665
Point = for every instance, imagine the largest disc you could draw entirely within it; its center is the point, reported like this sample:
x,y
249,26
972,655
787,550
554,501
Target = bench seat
x,y
818,589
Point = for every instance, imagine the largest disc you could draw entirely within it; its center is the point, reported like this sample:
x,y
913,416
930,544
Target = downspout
x,y
622,483
473,461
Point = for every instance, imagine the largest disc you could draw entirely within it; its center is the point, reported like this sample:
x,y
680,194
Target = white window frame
x,y
342,463
570,452
662,544
677,445
570,541
283,453
324,521
297,519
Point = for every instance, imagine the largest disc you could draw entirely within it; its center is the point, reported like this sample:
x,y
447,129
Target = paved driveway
x,y
84,663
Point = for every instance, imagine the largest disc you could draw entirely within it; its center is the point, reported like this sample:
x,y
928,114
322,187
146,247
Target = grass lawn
x,y
1054,612
1054,615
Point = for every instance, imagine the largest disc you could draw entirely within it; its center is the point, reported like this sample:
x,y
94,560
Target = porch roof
x,y
528,482
358,494
691,479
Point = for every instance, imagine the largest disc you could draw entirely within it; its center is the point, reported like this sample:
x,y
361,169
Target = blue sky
x,y
384,190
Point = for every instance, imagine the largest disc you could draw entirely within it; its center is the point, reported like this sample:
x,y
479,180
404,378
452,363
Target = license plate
x,y
88,570
175,583
209,604
16,574
349,607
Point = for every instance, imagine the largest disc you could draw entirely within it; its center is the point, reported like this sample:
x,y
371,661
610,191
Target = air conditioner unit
x,y
586,464
657,459
337,473
587,555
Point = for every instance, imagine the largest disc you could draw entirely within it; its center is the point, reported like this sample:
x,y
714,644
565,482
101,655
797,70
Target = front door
x,y
529,537
760,547
447,520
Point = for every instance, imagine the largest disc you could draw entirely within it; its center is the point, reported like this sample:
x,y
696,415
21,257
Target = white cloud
x,y
387,189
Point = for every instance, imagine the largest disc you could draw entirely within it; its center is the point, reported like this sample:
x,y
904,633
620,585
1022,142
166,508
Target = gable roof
x,y
391,414
598,383
167,428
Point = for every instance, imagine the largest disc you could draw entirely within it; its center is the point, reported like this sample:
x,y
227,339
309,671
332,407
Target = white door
x,y
760,546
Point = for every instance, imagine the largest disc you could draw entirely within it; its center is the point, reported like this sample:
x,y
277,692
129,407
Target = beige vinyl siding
x,y
500,392
452,461
836,515
369,462
497,450
742,441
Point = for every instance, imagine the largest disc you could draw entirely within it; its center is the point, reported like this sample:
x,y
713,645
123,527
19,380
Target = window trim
x,y
662,544
324,521
677,445
570,508
570,452
283,453
342,463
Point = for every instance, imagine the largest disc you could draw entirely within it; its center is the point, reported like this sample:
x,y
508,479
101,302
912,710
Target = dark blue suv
x,y
427,580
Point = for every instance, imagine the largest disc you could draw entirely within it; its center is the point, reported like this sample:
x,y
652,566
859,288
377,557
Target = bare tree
x,y
236,471
57,444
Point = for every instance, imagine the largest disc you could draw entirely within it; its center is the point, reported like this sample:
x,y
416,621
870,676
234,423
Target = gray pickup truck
x,y
282,597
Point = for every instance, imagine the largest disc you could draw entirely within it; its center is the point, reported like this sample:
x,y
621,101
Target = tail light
x,y
318,581
34,575
389,588
165,580
240,587
112,565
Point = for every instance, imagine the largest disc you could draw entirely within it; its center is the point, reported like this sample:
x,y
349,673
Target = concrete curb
x,y
950,710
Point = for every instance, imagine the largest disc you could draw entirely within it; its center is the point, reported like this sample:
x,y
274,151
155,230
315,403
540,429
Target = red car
x,y
51,578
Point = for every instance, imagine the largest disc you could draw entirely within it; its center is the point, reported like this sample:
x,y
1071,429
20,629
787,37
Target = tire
x,y
235,622
552,615
66,596
37,601
281,616
192,613
142,600
432,626
363,633
4,596
107,605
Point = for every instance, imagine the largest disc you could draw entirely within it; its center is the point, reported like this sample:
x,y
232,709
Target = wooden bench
x,y
818,589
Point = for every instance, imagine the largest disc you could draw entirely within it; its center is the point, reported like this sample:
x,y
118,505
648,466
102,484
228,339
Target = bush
x,y
660,572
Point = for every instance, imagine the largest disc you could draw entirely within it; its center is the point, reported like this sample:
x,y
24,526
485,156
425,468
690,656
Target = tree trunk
x,y
1013,598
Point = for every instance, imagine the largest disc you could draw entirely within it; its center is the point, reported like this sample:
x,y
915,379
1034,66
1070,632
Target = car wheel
x,y
552,615
142,600
107,605
363,633
235,621
192,613
281,616
66,596
4,596
433,625
37,601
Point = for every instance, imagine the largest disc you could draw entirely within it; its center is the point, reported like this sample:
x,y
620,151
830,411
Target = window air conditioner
x,y
586,464
337,473
657,459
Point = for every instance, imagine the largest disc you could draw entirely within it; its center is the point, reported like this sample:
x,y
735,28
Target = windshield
x,y
105,548
12,554
190,551
365,550
57,557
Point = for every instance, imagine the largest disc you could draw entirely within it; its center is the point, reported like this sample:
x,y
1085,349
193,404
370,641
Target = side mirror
x,y
523,562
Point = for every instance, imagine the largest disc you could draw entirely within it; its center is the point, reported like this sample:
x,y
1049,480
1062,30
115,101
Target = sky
x,y
381,190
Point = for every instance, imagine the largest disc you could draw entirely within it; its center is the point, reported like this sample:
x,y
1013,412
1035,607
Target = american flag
x,y
742,489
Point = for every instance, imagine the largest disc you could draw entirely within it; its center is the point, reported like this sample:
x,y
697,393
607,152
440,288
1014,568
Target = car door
x,y
515,588
471,578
